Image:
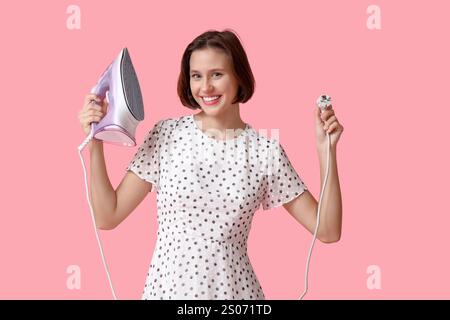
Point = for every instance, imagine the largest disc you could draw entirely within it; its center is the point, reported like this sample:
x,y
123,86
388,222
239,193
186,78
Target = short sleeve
x,y
146,161
282,183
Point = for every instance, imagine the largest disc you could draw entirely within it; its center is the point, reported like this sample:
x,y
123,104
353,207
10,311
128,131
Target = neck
x,y
223,121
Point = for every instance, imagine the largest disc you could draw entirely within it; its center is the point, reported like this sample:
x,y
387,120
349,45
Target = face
x,y
211,75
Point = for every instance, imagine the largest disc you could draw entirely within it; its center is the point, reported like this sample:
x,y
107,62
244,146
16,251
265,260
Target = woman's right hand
x,y
92,111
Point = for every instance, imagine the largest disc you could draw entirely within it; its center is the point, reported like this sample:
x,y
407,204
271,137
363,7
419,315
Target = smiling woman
x,y
209,187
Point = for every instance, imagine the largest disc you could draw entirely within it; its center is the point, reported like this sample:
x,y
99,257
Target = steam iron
x,y
120,85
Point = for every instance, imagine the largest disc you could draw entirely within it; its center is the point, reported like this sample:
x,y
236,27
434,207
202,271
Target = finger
x,y
91,105
95,107
86,119
90,110
96,118
327,114
95,112
89,97
330,121
317,114
91,119
333,127
98,114
87,108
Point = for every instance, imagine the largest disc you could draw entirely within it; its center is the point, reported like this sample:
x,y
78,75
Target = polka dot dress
x,y
207,193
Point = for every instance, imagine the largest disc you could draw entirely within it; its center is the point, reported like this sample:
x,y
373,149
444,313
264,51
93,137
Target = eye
x,y
194,75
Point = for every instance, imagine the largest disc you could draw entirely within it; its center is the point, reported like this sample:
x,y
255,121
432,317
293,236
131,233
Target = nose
x,y
206,86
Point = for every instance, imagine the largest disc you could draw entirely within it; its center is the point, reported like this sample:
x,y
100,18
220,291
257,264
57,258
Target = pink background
x,y
390,92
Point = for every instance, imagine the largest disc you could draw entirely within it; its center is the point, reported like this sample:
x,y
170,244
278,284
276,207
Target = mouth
x,y
211,100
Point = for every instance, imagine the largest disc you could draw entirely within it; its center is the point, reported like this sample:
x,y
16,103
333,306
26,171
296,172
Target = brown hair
x,y
228,42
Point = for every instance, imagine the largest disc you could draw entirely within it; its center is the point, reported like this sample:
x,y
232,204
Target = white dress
x,y
207,192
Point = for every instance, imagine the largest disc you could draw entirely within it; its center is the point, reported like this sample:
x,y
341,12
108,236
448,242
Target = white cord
x,y
318,218
80,148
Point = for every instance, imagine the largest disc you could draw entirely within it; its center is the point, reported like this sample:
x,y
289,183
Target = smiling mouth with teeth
x,y
211,98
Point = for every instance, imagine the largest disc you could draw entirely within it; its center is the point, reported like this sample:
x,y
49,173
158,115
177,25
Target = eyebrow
x,y
216,69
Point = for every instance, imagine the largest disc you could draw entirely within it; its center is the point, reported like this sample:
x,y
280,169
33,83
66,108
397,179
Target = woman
x,y
212,171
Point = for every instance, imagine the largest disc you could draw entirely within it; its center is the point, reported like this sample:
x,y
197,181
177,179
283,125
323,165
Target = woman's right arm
x,y
103,196
110,206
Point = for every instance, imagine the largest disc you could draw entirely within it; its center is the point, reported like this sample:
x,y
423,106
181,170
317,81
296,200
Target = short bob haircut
x,y
229,43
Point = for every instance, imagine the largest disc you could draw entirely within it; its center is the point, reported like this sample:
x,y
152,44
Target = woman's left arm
x,y
304,207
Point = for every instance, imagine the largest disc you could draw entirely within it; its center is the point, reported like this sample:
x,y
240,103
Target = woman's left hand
x,y
327,122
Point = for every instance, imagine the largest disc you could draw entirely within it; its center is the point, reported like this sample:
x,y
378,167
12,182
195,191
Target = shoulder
x,y
176,122
168,128
169,124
